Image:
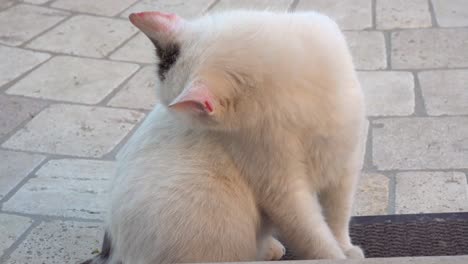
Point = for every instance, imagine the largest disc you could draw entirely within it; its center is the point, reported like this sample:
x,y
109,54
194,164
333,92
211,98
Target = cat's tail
x,y
104,256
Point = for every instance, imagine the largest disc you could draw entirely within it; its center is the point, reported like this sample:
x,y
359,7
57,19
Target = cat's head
x,y
211,69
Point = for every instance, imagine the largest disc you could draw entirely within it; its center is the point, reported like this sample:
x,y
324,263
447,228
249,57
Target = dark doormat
x,y
444,234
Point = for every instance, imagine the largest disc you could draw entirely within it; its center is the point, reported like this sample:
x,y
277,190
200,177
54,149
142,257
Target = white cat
x,y
259,130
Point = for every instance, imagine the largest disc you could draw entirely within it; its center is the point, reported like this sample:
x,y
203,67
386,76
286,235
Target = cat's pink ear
x,y
196,98
154,24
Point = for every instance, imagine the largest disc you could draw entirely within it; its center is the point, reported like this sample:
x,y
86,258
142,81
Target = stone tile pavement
x,y
76,80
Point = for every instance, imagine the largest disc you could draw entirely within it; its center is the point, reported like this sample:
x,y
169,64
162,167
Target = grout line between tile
x,y
388,48
419,104
9,84
293,5
120,46
433,14
368,159
61,22
374,14
211,6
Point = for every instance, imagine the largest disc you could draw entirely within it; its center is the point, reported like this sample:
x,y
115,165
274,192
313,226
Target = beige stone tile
x,y
451,13
139,92
388,93
368,49
11,227
349,14
14,167
391,14
16,61
431,192
372,195
445,92
182,8
429,48
138,49
76,130
100,7
85,36
74,79
20,23
59,242
277,5
66,187
420,143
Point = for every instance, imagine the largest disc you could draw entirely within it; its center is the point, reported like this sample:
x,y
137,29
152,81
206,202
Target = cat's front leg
x,y
337,201
298,218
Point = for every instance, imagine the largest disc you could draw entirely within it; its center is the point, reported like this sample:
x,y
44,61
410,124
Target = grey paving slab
x,y
58,242
74,79
186,9
420,143
429,48
349,14
66,187
37,2
16,61
451,13
372,195
76,130
16,110
367,49
14,167
22,22
11,227
277,5
7,3
445,92
388,93
392,14
139,92
431,192
85,36
138,49
101,7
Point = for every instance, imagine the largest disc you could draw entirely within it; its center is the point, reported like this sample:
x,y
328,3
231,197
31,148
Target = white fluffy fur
x,y
282,152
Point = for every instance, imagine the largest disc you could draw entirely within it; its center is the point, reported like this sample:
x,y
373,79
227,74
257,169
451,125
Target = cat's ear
x,y
158,26
195,99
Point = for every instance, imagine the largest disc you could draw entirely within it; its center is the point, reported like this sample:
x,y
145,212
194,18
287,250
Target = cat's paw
x,y
354,252
275,250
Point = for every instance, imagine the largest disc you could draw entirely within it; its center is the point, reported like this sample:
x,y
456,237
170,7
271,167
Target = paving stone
x,y
349,14
75,130
388,93
372,195
139,92
11,227
182,8
37,2
66,187
420,143
445,92
101,7
14,167
15,110
368,49
4,4
16,61
431,192
391,14
138,49
22,22
277,5
74,79
59,242
86,36
451,13
430,48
